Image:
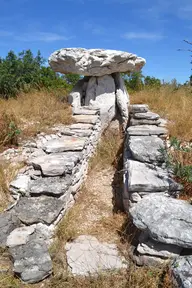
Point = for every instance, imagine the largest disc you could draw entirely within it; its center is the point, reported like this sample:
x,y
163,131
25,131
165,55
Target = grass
x,y
174,105
31,113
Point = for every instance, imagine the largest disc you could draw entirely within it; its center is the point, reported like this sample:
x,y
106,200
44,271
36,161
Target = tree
x,y
134,81
71,79
152,82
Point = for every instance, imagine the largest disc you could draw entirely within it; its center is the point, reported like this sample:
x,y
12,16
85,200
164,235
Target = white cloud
x,y
41,37
142,35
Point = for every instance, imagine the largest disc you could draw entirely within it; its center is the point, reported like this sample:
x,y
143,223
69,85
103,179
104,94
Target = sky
x,y
153,29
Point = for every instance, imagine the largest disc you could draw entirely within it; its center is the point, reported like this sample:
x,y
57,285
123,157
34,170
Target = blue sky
x,y
153,29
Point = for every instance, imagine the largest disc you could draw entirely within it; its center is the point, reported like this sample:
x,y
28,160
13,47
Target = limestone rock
x,y
146,178
50,186
43,209
146,130
89,119
86,255
153,248
147,115
135,122
94,62
83,110
56,164
32,261
167,220
182,272
102,95
65,143
122,98
138,108
20,184
75,95
20,236
8,222
146,148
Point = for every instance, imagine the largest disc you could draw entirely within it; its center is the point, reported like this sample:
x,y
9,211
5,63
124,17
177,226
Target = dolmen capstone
x,y
102,86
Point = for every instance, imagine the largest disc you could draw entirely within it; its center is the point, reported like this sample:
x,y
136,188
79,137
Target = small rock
x,y
66,143
87,119
20,236
146,130
138,108
148,116
20,184
8,222
182,272
137,122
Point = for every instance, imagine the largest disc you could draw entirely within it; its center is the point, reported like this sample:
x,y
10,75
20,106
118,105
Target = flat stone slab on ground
x,y
146,178
66,143
8,222
85,111
182,271
167,220
77,132
146,148
51,186
56,164
32,262
86,255
94,62
42,209
89,119
146,130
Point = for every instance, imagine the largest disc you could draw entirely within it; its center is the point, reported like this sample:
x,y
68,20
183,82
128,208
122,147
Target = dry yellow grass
x,y
174,105
35,111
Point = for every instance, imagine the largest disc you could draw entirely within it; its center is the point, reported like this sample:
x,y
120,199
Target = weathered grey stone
x,y
20,184
147,260
135,197
122,98
147,178
75,95
32,262
86,255
65,143
50,186
43,209
153,248
80,126
77,132
102,95
182,271
137,122
146,130
20,236
138,108
85,111
167,220
57,164
146,148
94,62
8,222
88,119
148,116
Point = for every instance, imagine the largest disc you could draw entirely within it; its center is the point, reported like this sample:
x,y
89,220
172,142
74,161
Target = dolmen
x,y
102,86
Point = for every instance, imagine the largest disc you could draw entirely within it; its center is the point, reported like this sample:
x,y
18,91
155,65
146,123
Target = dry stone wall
x,y
149,197
56,167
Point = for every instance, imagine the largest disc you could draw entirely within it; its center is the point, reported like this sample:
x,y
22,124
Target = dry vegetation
x,y
174,105
30,113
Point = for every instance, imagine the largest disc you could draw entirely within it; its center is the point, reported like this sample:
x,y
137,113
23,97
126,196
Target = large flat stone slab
x,y
138,108
146,130
85,111
87,119
66,143
32,262
94,62
86,255
138,122
50,186
146,178
182,271
166,219
146,148
148,116
56,164
42,209
8,222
